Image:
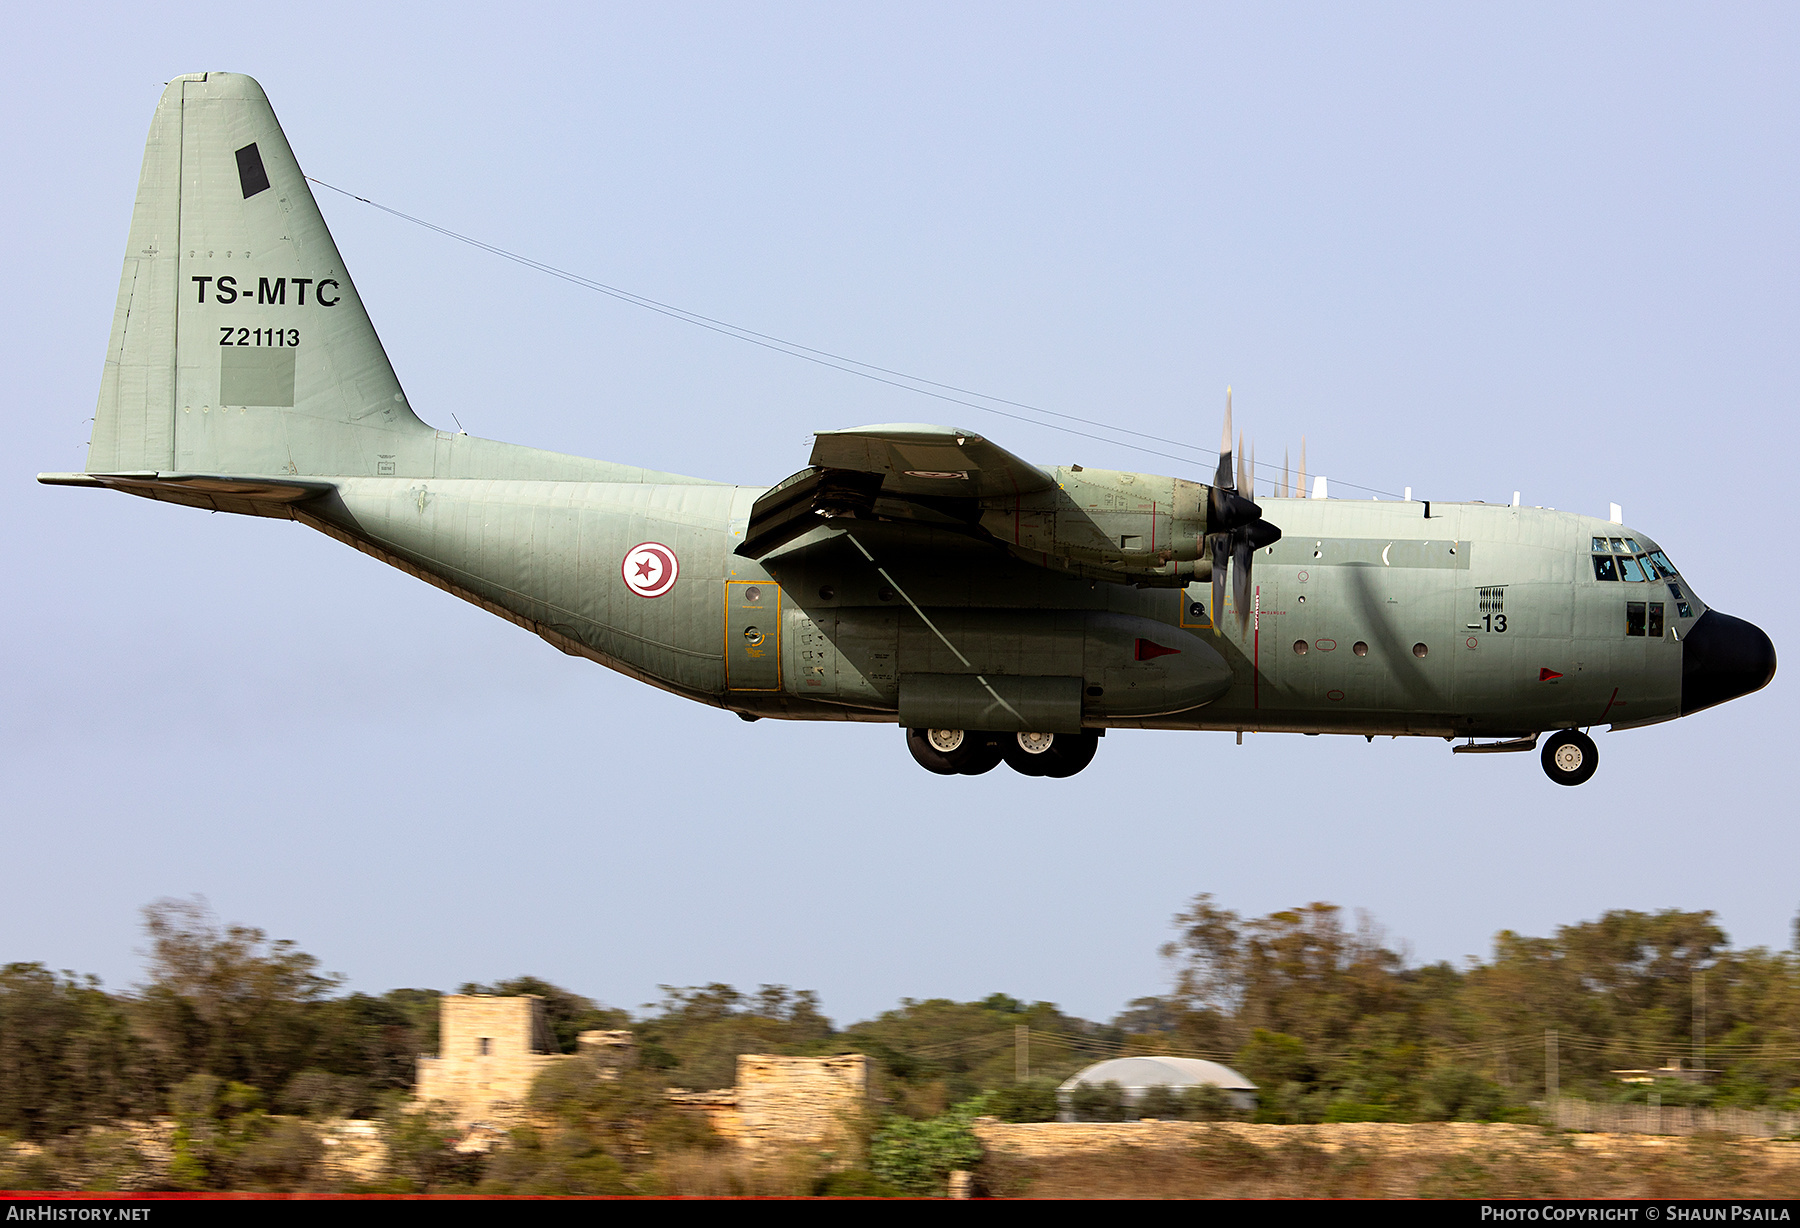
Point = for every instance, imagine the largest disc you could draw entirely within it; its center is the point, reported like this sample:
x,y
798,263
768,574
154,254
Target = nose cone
x,y
1723,657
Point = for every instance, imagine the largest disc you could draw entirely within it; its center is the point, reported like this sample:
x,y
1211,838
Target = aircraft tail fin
x,y
239,344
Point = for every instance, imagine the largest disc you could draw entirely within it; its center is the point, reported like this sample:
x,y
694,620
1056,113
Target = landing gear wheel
x,y
1570,757
1056,755
937,750
954,752
1072,752
984,755
1028,754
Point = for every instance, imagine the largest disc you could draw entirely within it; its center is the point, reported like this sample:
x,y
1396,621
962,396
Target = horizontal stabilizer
x,y
198,487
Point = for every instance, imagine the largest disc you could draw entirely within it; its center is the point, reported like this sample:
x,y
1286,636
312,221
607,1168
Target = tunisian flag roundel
x,y
649,569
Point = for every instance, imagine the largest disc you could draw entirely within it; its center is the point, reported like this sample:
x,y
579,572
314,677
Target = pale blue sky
x,y
1466,249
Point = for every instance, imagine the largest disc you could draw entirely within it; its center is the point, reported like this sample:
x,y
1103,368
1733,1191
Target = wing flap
x,y
793,507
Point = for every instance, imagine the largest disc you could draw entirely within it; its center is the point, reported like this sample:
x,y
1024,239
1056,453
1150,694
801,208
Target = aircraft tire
x,y
1017,750
918,741
953,752
1570,757
984,756
1072,752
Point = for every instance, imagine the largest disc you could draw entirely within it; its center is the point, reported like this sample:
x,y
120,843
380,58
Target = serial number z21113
x,y
288,337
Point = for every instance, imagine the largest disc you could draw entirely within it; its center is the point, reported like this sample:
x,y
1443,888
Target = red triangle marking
x,y
1148,651
1548,675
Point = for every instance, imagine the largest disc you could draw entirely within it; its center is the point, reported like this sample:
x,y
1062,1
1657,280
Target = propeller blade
x,y
1222,477
1221,559
1242,552
1235,529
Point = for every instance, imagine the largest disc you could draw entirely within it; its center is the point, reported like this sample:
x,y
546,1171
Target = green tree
x,y
68,1055
697,1033
225,1000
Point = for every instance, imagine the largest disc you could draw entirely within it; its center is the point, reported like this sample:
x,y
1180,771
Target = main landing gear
x,y
967,752
1570,757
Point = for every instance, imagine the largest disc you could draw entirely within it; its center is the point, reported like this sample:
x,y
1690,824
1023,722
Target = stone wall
x,y
789,1103
1170,1159
1054,1139
810,1102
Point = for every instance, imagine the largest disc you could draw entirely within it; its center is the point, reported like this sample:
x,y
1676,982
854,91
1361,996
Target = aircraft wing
x,y
929,460
935,473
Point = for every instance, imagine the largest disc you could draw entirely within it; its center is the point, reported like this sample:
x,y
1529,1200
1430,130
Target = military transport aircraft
x,y
916,575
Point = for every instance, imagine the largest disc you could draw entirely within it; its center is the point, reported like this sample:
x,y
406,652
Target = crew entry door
x,y
752,635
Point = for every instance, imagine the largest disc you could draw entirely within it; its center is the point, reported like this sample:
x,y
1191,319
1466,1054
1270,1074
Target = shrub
x,y
917,1157
1098,1102
1032,1100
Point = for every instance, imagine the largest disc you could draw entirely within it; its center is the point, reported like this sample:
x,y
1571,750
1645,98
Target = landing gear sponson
x,y
968,752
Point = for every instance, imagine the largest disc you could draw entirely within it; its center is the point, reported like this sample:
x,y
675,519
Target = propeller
x,y
1235,529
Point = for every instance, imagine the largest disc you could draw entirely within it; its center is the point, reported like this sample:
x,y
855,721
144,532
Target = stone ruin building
x,y
491,1049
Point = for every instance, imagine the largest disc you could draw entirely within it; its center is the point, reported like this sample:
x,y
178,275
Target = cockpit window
x,y
1603,567
1662,561
1649,566
1600,546
1618,545
1629,570
1632,546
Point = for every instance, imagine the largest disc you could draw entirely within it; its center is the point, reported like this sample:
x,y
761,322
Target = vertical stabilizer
x,y
239,344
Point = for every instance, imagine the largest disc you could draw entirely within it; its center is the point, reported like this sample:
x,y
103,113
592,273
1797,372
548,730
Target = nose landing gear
x,y
960,752
1570,757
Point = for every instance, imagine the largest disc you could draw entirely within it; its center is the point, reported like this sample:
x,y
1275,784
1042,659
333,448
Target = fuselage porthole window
x,y
1603,568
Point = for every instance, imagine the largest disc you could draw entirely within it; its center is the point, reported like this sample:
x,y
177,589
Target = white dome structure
x,y
1137,1075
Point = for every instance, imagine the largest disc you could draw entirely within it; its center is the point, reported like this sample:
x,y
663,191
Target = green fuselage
x,y
1369,617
